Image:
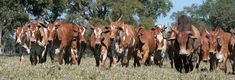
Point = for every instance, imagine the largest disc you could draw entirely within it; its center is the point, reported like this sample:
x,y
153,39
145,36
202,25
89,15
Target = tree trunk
x,y
1,46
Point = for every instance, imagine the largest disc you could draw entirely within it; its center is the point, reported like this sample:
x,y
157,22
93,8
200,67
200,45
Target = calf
x,y
22,41
37,42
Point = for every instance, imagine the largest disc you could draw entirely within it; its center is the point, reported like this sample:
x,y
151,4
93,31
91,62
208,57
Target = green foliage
x,y
97,11
212,13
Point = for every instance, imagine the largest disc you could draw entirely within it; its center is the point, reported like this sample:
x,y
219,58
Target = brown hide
x,y
204,46
232,50
64,31
147,43
99,43
127,41
223,41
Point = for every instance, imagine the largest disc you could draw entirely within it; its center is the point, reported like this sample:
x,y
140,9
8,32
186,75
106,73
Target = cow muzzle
x,y
220,57
184,52
97,46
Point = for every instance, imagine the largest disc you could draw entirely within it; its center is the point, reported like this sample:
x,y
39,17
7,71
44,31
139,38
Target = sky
x,y
178,5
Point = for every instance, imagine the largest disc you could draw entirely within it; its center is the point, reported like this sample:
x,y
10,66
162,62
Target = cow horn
x,y
110,19
119,18
207,31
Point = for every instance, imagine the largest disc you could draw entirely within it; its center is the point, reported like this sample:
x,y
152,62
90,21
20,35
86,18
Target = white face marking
x,y
83,31
160,37
127,32
97,32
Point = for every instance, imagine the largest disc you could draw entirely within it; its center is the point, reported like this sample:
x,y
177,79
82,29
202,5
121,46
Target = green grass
x,y
10,68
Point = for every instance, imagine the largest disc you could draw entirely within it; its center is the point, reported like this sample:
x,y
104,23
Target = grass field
x,y
11,69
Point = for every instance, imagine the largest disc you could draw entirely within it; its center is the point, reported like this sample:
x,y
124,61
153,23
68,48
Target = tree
x,y
97,11
212,13
12,15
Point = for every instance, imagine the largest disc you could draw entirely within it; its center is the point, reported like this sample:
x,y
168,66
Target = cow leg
x,y
67,55
79,57
74,56
137,57
61,56
146,54
233,68
31,59
178,62
125,60
199,58
104,56
97,60
170,55
224,66
44,54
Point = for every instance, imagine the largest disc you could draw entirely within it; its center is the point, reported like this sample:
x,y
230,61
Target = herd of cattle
x,y
121,42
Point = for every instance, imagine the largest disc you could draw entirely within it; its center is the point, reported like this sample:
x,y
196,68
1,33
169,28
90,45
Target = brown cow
x,y
204,51
159,32
100,45
82,41
123,40
146,45
38,41
187,38
62,33
232,50
219,46
22,41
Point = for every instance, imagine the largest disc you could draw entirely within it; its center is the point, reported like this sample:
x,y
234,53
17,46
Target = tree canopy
x,y
212,13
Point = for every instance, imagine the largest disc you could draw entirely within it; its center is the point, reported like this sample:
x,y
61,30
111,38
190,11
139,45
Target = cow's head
x,y
97,31
37,32
115,26
182,37
19,35
81,32
159,36
212,36
52,29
